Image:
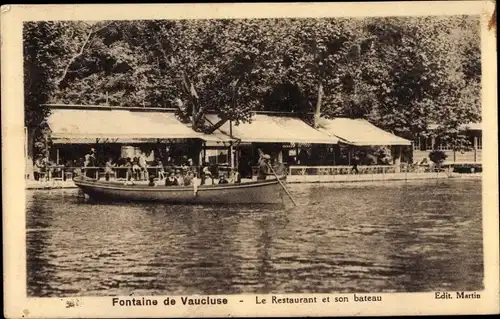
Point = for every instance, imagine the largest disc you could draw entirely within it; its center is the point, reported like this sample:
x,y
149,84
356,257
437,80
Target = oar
x,y
276,175
282,185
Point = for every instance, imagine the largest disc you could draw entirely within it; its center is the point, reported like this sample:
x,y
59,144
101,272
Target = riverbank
x,y
32,184
301,179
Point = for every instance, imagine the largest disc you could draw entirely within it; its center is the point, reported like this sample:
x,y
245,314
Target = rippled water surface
x,y
398,237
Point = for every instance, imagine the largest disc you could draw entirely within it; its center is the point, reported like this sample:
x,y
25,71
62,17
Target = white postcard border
x,y
19,306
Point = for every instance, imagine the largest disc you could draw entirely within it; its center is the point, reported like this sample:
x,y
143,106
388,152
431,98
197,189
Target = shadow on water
x,y
395,237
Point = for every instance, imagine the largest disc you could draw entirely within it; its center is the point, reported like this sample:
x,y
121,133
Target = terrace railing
x,y
60,172
363,169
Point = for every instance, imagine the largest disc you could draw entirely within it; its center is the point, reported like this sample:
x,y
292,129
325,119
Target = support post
x,y
200,156
204,152
296,153
26,142
57,156
46,147
231,150
475,149
397,158
237,156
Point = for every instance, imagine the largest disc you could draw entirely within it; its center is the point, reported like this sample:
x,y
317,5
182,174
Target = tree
x,y
399,73
419,68
44,43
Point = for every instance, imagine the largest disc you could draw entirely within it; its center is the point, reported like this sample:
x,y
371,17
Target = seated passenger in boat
x,y
223,180
195,181
171,180
151,181
188,179
235,177
179,177
205,173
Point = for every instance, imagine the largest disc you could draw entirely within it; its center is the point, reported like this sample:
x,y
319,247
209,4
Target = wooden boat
x,y
256,192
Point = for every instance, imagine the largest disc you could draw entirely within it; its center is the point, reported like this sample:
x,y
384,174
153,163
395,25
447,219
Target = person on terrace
x,y
143,166
136,168
161,169
38,168
90,163
109,168
129,166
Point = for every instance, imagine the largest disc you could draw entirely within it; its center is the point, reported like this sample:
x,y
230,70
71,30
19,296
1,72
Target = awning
x,y
116,124
359,132
274,129
104,140
216,137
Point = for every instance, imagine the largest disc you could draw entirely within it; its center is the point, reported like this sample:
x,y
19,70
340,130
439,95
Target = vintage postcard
x,y
248,160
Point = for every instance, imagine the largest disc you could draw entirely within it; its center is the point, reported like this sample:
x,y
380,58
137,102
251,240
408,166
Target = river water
x,y
390,237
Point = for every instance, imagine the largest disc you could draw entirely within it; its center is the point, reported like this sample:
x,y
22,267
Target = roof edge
x,y
108,108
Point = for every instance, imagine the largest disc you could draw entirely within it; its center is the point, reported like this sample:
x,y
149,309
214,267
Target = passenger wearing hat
x,y
171,180
205,173
222,179
151,180
264,167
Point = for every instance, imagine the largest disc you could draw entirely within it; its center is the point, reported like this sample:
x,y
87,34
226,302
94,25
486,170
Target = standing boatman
x,y
264,167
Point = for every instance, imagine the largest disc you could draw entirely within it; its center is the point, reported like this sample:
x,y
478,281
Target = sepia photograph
x,y
280,157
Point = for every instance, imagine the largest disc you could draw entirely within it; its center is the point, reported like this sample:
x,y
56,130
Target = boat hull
x,y
261,192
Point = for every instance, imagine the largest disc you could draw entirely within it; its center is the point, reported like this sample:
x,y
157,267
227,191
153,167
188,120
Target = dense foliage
x,y
399,73
437,157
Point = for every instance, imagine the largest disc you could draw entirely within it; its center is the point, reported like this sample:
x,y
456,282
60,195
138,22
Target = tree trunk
x,y
217,125
31,144
317,111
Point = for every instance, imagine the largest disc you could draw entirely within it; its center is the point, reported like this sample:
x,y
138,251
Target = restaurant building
x,y
422,145
121,132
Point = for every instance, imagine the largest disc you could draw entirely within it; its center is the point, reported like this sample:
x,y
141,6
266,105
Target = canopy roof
x,y
119,125
274,129
359,132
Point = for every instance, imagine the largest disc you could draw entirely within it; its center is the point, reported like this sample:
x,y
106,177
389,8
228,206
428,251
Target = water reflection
x,y
397,237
